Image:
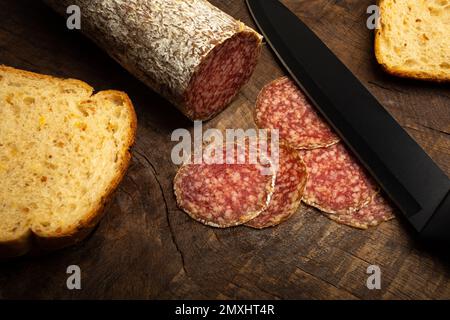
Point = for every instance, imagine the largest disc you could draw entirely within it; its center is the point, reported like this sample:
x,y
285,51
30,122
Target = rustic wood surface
x,y
146,248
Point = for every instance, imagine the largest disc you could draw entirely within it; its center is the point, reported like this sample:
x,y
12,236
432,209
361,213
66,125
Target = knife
x,y
419,188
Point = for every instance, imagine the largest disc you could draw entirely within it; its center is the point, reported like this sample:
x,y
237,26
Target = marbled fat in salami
x,y
224,195
289,186
336,184
281,105
375,213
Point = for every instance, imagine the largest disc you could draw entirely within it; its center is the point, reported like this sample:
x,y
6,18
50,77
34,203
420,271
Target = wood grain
x,y
147,248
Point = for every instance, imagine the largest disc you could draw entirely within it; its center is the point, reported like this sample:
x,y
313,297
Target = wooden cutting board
x,y
146,248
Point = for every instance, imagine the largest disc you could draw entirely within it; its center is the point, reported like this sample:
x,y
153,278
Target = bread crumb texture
x,y
414,38
62,152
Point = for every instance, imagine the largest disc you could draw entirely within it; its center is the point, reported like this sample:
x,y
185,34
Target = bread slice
x,y
414,38
63,151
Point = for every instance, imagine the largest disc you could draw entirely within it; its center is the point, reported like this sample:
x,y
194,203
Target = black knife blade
x,y
419,188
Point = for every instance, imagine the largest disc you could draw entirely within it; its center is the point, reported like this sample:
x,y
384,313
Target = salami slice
x,y
375,213
336,184
224,195
192,53
281,105
289,186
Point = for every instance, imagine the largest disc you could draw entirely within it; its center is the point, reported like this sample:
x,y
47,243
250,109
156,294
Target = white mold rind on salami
x,y
372,215
289,186
192,53
281,105
224,195
336,184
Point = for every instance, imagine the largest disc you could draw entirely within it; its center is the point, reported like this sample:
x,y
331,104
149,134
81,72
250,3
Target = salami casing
x,y
228,194
289,186
281,105
375,213
190,52
336,184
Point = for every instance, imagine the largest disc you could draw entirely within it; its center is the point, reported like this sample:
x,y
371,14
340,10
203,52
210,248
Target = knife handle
x,y
437,230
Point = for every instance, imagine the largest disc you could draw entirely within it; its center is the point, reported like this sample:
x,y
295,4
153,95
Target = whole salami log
x,y
190,52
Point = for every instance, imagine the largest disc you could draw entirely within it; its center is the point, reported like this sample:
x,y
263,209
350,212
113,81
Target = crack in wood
x,y
438,131
354,256
272,295
126,192
328,282
217,238
379,85
385,87
166,207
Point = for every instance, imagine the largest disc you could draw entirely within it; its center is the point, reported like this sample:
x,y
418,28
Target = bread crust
x,y
419,75
34,243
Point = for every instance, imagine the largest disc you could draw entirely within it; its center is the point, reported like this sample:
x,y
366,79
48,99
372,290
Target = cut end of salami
x,y
281,105
336,184
289,186
224,195
222,74
372,215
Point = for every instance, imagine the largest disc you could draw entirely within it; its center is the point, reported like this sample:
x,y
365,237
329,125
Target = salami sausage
x,y
375,213
336,184
281,105
192,53
289,186
224,195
